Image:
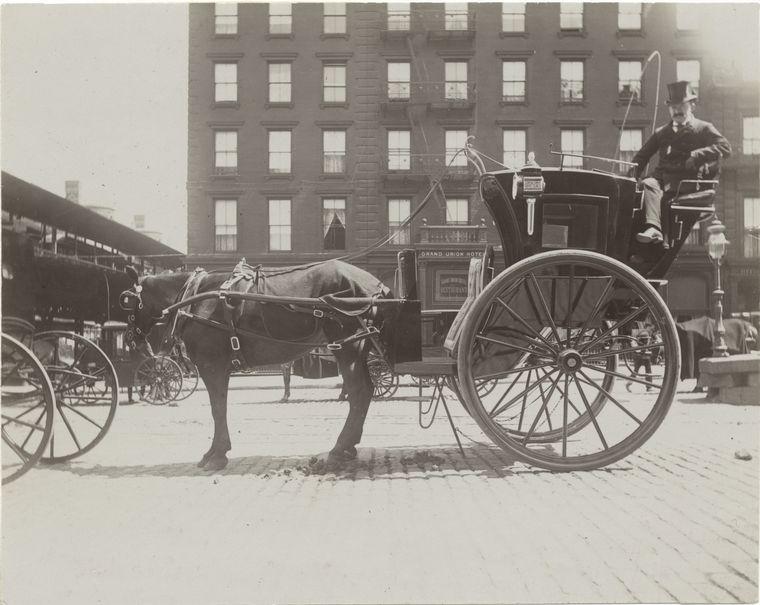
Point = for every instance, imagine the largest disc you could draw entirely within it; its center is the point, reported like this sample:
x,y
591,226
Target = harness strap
x,y
241,272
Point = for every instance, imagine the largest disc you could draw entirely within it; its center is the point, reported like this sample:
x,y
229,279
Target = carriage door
x,y
573,221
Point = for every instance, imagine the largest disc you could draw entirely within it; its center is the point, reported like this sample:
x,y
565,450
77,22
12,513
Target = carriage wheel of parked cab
x,y
161,378
190,376
86,392
27,403
549,327
385,381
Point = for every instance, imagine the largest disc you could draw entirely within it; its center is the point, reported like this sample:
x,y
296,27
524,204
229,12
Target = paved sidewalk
x,y
135,522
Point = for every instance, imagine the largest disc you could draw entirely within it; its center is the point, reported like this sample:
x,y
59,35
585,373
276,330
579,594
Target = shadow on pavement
x,y
407,463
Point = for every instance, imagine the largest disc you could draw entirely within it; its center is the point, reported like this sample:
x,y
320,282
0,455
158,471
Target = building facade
x,y
316,130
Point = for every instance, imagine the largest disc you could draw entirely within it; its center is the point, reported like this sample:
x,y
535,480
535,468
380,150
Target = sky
x,y
98,94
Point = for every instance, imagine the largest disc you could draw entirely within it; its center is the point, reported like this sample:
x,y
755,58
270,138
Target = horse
x,y
266,332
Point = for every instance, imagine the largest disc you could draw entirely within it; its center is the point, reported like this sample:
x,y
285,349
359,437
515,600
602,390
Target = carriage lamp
x,y
716,249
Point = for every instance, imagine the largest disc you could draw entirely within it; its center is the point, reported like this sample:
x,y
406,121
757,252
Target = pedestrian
x,y
688,149
643,357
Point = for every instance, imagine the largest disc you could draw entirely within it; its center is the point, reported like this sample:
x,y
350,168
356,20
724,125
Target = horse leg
x,y
217,381
358,385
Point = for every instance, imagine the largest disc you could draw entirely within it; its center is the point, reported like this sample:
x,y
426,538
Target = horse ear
x,y
132,272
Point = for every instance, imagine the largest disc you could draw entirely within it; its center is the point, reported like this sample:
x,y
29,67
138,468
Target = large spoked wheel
x,y
86,392
27,409
161,378
385,381
550,328
190,377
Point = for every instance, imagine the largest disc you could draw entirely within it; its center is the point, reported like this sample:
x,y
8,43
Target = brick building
x,y
315,129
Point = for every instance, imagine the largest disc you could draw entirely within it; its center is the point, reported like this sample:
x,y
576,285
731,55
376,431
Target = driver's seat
x,y
692,202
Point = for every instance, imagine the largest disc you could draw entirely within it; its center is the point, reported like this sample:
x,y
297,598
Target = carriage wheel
x,y
86,392
385,381
190,376
162,379
27,404
563,409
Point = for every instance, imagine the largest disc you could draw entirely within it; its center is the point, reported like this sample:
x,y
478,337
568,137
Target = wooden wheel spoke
x,y
37,422
610,352
79,413
23,456
624,377
564,418
530,328
595,311
544,306
31,425
541,411
548,364
546,407
510,345
572,405
610,397
498,411
626,320
591,414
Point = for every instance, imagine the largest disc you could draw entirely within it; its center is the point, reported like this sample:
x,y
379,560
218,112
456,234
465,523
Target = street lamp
x,y
716,249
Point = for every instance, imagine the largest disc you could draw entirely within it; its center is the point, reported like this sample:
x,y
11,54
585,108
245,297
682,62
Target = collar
x,y
676,127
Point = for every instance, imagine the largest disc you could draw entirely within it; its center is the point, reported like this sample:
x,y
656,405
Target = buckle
x,y
235,363
235,343
334,346
318,313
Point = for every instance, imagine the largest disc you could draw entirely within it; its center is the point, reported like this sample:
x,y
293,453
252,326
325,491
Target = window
x,y
629,16
513,81
571,15
279,151
225,151
399,16
456,140
225,225
225,82
689,70
226,19
334,146
457,211
335,18
686,17
514,140
334,83
572,142
571,81
398,213
751,136
279,225
629,80
513,16
455,16
279,82
456,80
399,150
752,227
399,80
280,17
630,143
334,223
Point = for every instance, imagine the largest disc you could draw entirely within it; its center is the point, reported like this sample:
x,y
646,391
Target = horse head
x,y
145,307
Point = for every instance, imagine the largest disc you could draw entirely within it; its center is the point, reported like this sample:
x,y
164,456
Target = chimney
x,y
72,191
139,221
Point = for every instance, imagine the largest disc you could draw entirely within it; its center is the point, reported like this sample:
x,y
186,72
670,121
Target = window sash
x,y
457,211
280,151
513,80
334,18
334,210
225,82
513,16
225,225
399,16
334,83
455,141
334,149
751,135
279,224
572,142
225,150
752,227
279,82
399,211
226,18
280,17
515,145
399,80
629,16
630,142
629,79
571,15
456,16
456,80
571,80
399,150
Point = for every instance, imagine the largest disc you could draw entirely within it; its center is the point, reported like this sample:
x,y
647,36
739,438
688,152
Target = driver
x,y
686,146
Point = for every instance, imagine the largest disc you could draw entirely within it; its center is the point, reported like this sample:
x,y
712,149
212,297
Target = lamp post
x,y
716,249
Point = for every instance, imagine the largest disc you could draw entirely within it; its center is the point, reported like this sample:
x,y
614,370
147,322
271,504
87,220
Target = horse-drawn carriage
x,y
534,353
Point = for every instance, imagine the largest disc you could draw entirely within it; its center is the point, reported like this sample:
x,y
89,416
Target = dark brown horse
x,y
268,332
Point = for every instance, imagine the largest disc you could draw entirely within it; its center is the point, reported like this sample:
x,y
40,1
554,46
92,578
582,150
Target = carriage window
x,y
514,147
513,16
689,70
398,212
456,140
334,83
334,148
456,80
279,225
334,223
399,80
225,225
572,142
225,82
399,16
513,81
280,17
570,225
226,18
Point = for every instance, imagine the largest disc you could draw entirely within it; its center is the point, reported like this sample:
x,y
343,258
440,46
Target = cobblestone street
x,y
135,522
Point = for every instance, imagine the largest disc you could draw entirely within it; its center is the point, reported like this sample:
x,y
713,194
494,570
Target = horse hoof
x,y
350,453
216,464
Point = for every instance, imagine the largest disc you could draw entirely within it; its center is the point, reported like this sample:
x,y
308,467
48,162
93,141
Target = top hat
x,y
680,92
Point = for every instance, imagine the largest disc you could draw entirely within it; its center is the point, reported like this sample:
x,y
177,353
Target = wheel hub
x,y
570,361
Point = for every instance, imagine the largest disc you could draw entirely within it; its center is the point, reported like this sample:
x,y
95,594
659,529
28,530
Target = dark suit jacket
x,y
697,139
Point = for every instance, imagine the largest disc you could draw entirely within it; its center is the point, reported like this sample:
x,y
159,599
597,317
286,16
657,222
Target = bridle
x,y
131,301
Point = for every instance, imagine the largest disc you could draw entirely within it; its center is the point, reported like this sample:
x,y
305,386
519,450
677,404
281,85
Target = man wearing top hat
x,y
686,147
